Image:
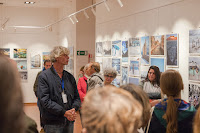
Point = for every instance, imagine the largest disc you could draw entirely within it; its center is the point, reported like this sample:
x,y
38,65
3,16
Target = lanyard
x,y
62,84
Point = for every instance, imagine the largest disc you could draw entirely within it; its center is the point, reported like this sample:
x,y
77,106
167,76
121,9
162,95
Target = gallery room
x,y
127,35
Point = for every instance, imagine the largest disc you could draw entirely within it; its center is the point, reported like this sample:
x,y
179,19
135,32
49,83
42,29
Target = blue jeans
x,y
59,128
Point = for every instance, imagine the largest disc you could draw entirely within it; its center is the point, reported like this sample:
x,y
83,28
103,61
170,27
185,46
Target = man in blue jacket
x,y
58,95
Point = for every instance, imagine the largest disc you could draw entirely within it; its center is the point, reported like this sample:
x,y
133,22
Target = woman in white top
x,y
151,84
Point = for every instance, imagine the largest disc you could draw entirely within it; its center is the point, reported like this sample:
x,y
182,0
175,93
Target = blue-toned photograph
x,y
116,48
116,64
159,62
145,50
134,46
134,67
124,51
134,80
124,75
172,49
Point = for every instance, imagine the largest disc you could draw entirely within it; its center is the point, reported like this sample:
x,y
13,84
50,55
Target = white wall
x,y
138,18
34,40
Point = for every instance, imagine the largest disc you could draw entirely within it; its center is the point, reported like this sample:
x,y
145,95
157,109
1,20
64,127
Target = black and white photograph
x,y
194,94
194,41
24,76
134,46
107,48
116,64
107,63
124,75
194,66
172,49
124,51
99,49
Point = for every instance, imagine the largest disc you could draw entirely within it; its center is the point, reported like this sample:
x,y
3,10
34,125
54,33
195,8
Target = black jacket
x,y
50,99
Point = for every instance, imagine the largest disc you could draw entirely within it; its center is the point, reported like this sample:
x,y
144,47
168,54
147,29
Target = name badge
x,y
64,97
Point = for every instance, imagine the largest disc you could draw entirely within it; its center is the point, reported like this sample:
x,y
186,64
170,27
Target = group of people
x,y
153,107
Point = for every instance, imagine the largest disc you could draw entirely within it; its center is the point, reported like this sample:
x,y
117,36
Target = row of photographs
x,y
144,47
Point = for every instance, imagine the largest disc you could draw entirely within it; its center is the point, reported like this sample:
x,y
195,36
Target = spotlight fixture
x,y
106,5
71,20
75,18
93,11
120,2
86,15
29,2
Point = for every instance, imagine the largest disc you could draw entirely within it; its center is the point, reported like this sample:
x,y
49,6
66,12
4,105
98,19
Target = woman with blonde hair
x,y
172,115
110,110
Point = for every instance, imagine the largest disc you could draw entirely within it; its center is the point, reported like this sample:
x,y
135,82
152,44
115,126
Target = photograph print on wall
x,y
194,66
20,53
99,49
117,81
107,63
172,49
124,51
194,94
23,76
116,48
5,51
134,46
194,41
157,45
124,75
107,48
21,65
134,66
159,62
35,61
133,80
116,64
145,50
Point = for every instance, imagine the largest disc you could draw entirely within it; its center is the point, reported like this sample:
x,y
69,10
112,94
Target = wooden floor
x,y
32,111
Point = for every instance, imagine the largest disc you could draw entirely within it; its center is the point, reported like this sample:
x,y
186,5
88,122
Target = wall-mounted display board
x,y
194,63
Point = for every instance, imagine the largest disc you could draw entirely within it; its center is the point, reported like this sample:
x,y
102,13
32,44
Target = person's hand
x,y
70,114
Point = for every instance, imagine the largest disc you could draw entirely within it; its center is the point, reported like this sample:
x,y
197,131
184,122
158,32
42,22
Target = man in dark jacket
x,y
58,95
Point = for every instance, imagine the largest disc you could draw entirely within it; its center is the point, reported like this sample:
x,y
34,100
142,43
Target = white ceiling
x,y
38,3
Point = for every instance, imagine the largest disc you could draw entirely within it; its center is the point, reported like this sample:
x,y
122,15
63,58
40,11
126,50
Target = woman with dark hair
x,y
172,115
151,84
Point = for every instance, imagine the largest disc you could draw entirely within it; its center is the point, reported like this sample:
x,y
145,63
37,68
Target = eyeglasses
x,y
109,76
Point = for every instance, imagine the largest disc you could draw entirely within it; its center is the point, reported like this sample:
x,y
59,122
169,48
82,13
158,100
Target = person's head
x,y
11,103
82,69
153,75
60,55
86,69
94,67
110,110
171,84
142,98
109,75
47,64
196,124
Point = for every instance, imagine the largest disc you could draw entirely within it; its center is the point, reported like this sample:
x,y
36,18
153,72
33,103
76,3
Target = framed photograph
x,y
125,51
21,65
71,51
134,80
194,94
143,72
157,45
23,76
20,53
99,49
194,41
134,66
70,66
5,51
134,46
107,48
159,62
145,50
124,75
194,72
107,63
116,64
172,49
35,61
116,48
117,81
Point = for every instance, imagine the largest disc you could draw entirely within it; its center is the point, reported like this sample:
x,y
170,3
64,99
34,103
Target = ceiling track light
x,y
86,15
106,5
71,20
120,3
75,18
93,11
